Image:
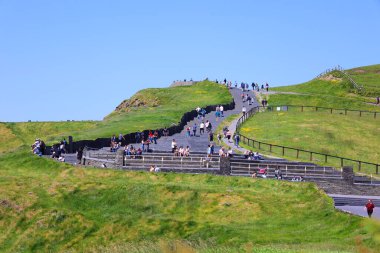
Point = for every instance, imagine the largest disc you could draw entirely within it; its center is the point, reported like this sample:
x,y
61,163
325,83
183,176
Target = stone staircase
x,y
289,169
351,200
167,162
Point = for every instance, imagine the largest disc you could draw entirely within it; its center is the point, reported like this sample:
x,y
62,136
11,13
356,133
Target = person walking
x,y
369,206
221,108
211,136
201,128
155,136
237,140
194,129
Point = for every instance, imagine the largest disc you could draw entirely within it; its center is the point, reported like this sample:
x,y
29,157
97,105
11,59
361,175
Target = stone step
x,y
178,170
290,176
348,201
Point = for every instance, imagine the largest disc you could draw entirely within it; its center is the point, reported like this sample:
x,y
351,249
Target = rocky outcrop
x,y
136,101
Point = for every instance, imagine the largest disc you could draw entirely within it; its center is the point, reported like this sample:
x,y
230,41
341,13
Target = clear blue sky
x,y
72,59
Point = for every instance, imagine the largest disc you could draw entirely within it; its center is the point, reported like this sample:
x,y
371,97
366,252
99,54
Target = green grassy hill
x,y
349,136
333,90
52,207
47,206
157,108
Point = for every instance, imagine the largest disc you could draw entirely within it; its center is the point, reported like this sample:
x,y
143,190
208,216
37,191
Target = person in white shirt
x,y
221,108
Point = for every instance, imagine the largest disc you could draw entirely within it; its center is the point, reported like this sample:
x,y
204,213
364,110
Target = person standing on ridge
x,y
369,206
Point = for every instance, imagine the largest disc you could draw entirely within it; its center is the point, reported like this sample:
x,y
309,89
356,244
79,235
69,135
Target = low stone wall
x,y
180,83
73,146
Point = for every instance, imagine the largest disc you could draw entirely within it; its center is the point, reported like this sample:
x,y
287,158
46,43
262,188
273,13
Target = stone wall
x,y
130,138
182,83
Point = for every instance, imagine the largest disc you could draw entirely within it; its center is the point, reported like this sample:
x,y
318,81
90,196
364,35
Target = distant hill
x,y
334,90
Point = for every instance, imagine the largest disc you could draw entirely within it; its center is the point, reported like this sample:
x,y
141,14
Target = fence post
x,y
331,110
325,158
360,165
341,162
377,169
270,148
316,108
301,108
345,111
360,113
259,145
298,153
311,156
283,151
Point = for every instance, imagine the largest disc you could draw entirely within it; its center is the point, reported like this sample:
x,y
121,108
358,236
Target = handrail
x,y
338,68
256,109
270,108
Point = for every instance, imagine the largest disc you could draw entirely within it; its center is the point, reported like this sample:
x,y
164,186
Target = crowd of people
x,y
245,86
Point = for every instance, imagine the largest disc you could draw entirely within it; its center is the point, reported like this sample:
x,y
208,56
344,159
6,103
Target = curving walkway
x,y
199,143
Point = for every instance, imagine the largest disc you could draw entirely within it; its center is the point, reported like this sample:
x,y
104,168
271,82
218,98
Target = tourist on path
x,y
155,136
244,110
121,138
194,129
237,140
211,136
188,131
138,137
201,128
221,108
370,206
208,126
174,145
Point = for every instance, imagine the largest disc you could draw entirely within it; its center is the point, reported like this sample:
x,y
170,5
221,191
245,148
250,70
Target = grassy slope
x,y
333,93
369,76
172,104
348,136
46,206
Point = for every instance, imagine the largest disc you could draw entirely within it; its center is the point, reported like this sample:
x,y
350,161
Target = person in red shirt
x,y
370,206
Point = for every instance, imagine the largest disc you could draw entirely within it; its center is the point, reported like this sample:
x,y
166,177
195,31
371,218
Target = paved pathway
x,y
358,209
199,142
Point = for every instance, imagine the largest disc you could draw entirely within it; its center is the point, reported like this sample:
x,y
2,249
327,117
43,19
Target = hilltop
x,y
334,90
